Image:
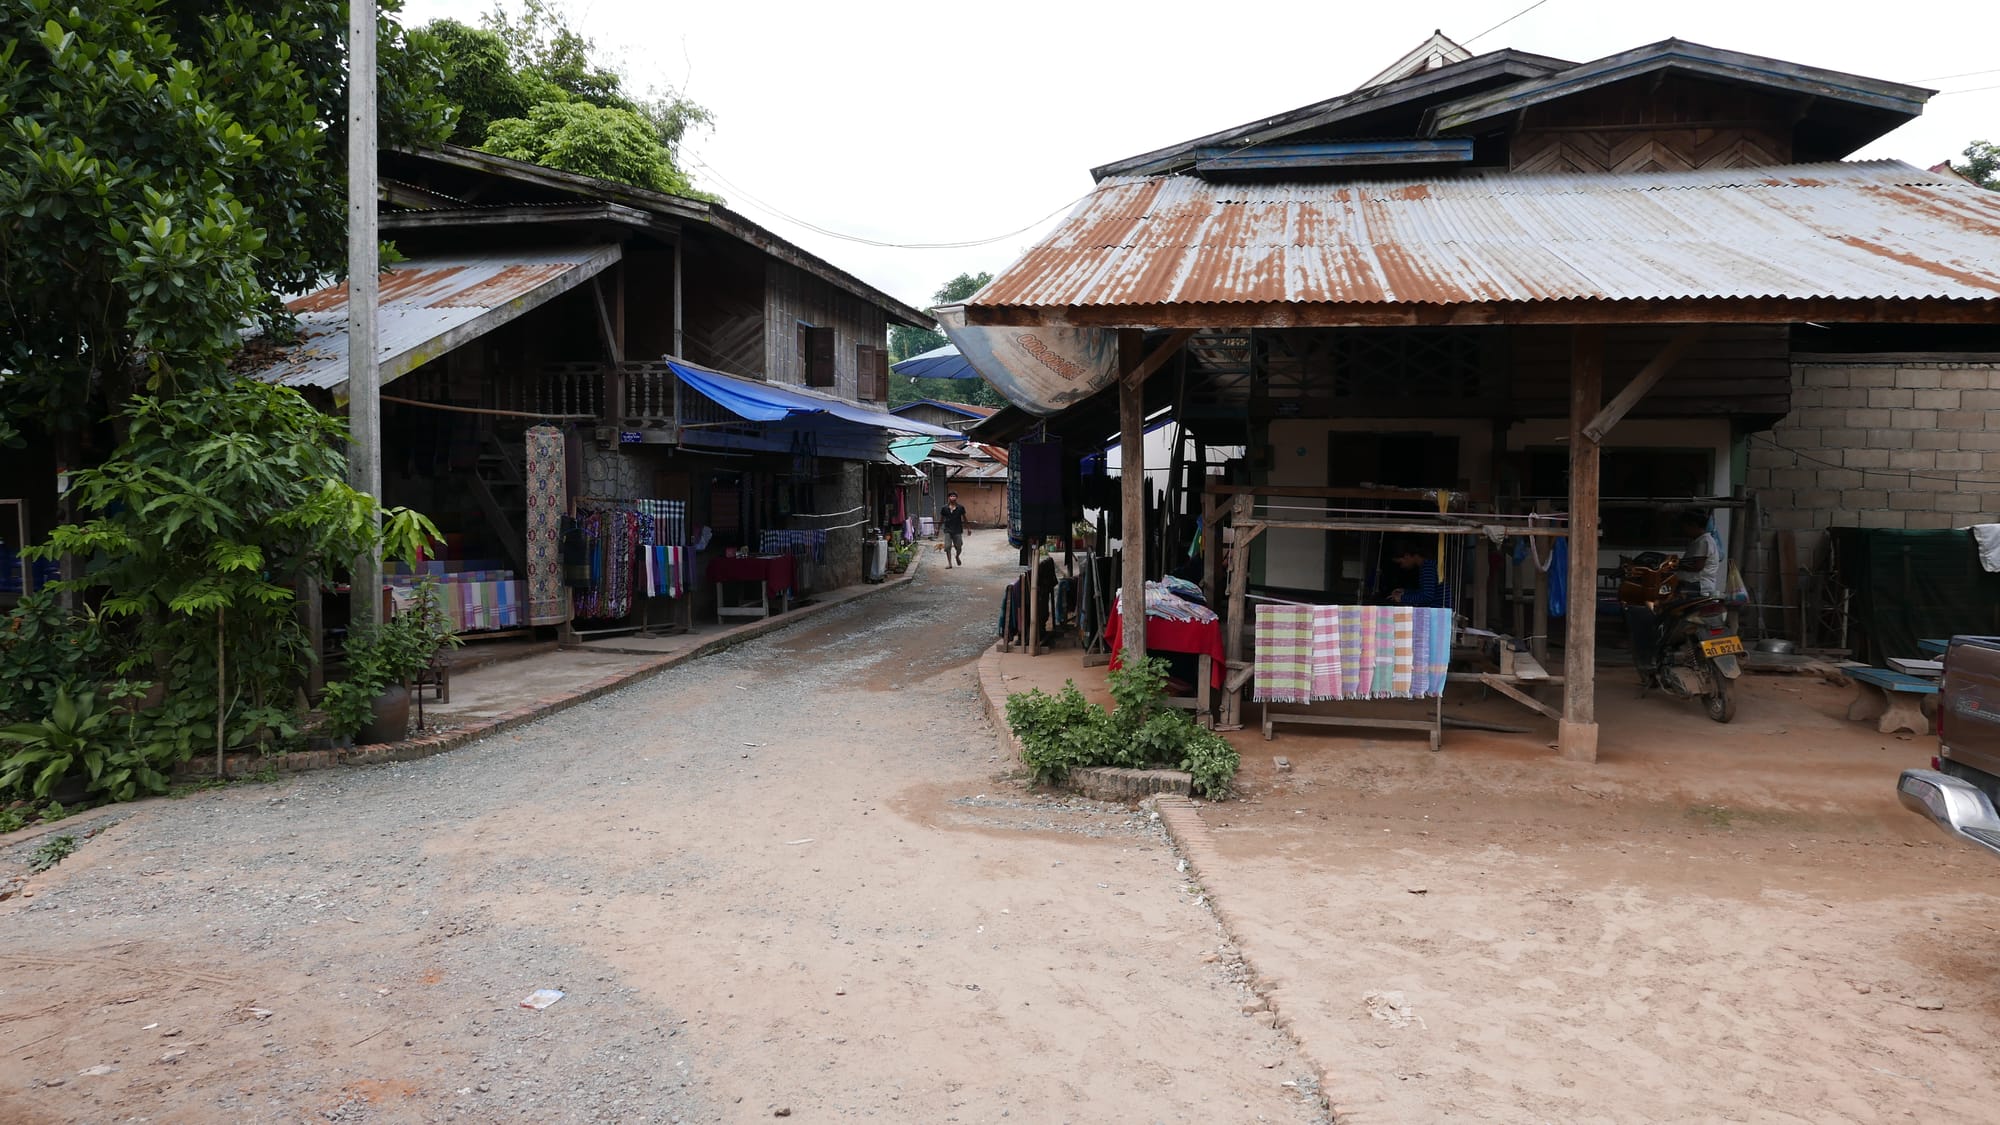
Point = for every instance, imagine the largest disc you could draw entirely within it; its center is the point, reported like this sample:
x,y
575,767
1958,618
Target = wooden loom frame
x,y
1236,506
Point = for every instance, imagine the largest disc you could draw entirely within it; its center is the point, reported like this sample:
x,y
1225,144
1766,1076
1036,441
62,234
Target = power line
x,y
817,229
1973,90
1965,74
1503,23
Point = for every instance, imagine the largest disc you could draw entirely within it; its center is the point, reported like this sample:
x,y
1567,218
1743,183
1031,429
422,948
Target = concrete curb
x,y
412,749
1180,815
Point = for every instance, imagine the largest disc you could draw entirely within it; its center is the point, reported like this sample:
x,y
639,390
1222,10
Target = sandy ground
x,y
1713,924
789,880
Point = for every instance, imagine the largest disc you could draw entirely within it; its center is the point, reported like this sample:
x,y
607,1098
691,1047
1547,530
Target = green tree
x,y
165,167
1982,164
611,144
518,78
905,342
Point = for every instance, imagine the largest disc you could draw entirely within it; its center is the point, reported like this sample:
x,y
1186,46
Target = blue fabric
x,y
938,363
768,402
1559,579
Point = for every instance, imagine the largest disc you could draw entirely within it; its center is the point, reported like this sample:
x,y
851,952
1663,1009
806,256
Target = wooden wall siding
x,y
1737,371
722,311
1675,123
793,297
1663,150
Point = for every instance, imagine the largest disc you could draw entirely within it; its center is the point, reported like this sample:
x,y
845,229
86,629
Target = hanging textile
x,y
1284,654
1344,652
1043,512
547,477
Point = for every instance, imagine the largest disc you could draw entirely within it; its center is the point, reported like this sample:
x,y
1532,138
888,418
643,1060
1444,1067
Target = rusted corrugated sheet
x,y
1869,230
428,305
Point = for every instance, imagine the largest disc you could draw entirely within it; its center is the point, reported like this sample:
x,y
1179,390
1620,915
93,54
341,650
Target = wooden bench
x,y
1893,699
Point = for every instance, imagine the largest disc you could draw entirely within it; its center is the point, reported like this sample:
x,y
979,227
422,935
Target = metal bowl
x,y
1776,646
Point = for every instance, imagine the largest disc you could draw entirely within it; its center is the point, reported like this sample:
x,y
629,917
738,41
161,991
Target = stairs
x,y
497,484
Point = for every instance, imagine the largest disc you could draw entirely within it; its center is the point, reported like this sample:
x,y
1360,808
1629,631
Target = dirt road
x,y
784,881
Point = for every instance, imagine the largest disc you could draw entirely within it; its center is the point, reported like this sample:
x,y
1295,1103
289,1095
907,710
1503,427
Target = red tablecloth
x,y
1168,635
775,571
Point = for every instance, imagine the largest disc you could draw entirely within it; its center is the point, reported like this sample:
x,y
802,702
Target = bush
x,y
1065,731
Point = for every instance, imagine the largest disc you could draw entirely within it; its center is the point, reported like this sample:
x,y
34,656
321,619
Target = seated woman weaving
x,y
1420,585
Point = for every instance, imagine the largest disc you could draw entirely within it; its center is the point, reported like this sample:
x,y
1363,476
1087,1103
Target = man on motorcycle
x,y
1699,574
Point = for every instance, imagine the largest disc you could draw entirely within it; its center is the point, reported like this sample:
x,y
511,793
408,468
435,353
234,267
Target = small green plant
x,y
1065,731
50,852
56,810
11,820
70,740
348,706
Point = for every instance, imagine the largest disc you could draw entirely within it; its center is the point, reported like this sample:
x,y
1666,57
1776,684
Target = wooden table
x,y
773,575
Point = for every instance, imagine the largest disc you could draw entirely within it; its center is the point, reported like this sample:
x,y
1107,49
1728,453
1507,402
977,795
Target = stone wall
x,y
621,472
1878,444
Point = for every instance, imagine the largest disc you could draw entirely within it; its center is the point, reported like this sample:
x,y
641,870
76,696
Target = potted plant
x,y
373,704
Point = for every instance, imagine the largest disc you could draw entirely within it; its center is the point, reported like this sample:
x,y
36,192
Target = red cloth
x,y
774,571
1168,635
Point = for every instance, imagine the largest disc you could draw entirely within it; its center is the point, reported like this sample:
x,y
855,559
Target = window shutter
x,y
881,374
819,357
864,372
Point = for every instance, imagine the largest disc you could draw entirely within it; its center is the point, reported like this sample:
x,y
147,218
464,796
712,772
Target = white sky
x,y
947,122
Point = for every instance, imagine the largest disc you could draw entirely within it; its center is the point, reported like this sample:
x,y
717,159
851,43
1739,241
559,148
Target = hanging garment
x,y
546,475
575,556
1043,512
1559,579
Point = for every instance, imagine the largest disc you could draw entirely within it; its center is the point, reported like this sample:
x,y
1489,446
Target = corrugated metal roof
x,y
428,305
1869,230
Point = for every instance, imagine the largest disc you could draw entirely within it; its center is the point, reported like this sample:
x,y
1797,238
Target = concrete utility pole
x,y
364,377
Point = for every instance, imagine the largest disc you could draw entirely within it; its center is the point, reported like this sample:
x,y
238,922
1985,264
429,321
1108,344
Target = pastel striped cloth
x,y
1284,654
1309,653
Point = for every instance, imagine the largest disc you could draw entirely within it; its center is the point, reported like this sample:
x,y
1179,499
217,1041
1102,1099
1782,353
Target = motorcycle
x,y
1696,655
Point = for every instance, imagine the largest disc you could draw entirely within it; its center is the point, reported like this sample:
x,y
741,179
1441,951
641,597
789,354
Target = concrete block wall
x,y
1900,445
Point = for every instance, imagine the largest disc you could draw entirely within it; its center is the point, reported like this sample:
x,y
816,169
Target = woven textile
x,y
1402,666
1326,651
1284,654
546,476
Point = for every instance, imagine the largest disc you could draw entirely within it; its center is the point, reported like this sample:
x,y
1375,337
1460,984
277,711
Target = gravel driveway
x,y
792,880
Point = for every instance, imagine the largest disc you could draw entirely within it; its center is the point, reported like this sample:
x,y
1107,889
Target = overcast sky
x,y
932,122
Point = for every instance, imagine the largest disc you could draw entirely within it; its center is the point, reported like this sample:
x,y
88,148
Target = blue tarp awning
x,y
938,363
769,402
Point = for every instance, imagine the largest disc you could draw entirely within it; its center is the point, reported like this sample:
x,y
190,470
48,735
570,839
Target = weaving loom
x,y
1309,654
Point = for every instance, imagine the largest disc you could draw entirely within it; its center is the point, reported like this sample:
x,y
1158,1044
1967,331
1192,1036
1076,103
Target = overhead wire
x,y
1503,23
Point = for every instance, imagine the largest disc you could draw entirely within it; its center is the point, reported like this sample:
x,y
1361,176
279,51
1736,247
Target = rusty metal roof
x,y
1869,230
428,305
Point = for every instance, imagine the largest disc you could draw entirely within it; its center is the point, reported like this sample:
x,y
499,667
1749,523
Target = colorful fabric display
x,y
546,475
809,545
1309,653
1284,652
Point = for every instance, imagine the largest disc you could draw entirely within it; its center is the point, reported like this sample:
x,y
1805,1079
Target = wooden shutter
x,y
881,372
819,357
871,373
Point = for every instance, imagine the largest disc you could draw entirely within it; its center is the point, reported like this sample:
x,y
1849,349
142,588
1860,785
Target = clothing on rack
x,y
1043,512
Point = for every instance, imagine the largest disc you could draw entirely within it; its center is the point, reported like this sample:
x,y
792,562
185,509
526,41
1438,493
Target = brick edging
x,y
425,746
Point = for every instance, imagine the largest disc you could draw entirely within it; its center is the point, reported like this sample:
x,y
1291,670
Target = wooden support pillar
x,y
1242,510
1132,490
1578,739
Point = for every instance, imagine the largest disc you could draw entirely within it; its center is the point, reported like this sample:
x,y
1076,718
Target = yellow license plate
x,y
1722,646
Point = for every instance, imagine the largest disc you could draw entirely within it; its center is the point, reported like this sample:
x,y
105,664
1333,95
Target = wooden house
x,y
690,361
1510,281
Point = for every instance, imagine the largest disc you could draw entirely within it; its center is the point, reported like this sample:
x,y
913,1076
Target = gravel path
x,y
792,880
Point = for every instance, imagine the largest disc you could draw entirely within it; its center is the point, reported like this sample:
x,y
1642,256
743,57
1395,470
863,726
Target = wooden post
x,y
1033,633
1578,738
1211,545
1482,578
1242,509
364,377
1132,490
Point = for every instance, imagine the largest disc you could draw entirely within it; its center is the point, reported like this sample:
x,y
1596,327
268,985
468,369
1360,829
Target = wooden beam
x,y
1281,314
1519,696
607,329
1132,492
1577,741
1416,525
1648,376
1168,348
1239,592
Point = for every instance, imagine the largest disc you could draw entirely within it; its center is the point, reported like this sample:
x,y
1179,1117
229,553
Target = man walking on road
x,y
951,520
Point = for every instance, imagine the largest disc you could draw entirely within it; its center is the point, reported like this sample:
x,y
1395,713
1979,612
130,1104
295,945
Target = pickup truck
x,y
1959,794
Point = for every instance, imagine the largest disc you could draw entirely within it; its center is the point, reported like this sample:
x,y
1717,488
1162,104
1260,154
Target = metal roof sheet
x,y
1869,230
427,306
